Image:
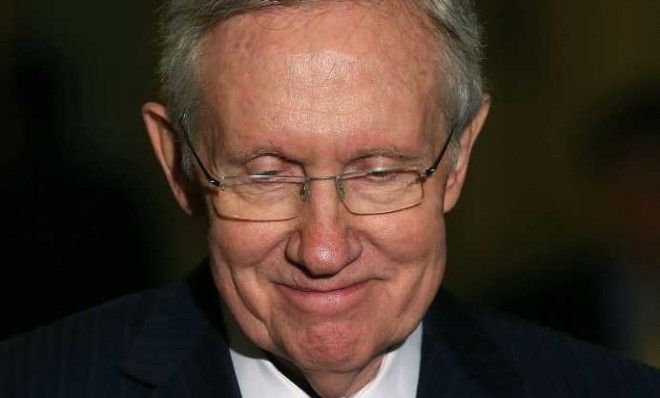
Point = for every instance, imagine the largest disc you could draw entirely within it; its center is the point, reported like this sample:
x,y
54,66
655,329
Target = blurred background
x,y
559,221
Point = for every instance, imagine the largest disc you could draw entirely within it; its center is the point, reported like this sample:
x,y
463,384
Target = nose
x,y
323,242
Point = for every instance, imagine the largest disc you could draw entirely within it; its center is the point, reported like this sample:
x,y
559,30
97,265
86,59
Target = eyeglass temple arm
x,y
434,167
183,125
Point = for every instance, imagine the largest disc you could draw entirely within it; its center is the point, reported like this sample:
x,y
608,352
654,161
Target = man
x,y
324,140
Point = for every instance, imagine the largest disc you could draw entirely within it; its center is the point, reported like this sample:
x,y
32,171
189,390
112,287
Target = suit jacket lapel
x,y
202,375
181,349
459,359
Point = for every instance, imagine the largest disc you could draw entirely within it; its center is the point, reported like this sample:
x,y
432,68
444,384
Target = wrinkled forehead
x,y
327,38
323,58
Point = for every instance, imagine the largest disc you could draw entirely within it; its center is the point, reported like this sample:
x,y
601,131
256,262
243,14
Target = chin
x,y
334,346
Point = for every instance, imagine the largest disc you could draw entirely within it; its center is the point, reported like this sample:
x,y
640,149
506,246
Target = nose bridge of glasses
x,y
305,191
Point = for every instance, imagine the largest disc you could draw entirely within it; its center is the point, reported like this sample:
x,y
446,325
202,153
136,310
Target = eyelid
x,y
365,172
275,155
272,165
268,152
388,160
389,157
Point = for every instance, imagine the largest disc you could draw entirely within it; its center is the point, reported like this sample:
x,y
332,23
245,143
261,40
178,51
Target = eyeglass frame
x,y
221,183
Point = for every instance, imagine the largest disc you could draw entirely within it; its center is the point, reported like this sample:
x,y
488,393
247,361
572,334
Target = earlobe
x,y
456,176
167,149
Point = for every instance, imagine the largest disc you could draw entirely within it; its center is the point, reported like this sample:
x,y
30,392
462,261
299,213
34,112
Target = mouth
x,y
325,300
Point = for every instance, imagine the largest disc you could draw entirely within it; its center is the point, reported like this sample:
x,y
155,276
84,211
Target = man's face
x,y
325,89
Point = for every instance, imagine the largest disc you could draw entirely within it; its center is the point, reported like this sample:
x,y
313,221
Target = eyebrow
x,y
243,156
389,152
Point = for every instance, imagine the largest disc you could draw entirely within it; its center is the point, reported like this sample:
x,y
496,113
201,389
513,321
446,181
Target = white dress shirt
x,y
258,377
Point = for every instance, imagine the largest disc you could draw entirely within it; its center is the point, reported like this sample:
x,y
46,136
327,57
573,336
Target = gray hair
x,y
185,22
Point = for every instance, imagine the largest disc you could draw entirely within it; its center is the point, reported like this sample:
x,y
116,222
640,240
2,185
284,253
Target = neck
x,y
329,384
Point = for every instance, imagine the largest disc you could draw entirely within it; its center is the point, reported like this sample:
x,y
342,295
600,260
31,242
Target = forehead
x,y
345,70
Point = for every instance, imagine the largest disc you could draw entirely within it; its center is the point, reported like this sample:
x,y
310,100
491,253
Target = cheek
x,y
412,243
241,253
241,245
409,237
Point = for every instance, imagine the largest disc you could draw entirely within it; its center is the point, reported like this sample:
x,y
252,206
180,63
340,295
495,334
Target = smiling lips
x,y
325,300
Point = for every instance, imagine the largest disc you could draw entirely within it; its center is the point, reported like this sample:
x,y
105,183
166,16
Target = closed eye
x,y
269,173
382,175
272,165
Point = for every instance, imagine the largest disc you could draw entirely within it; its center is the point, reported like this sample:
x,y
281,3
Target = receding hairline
x,y
236,34
397,35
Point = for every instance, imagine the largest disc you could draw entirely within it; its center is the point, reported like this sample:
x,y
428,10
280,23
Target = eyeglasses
x,y
275,197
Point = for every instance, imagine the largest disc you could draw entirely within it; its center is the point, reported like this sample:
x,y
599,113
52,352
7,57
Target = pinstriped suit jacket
x,y
171,343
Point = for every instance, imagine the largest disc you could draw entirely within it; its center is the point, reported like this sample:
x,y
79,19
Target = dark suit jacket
x,y
170,343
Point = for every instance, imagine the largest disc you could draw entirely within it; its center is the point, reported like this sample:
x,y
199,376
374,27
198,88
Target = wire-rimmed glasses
x,y
274,197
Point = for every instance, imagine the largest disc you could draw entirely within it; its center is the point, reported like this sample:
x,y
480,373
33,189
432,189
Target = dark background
x,y
558,221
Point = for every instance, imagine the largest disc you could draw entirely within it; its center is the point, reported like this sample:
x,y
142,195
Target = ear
x,y
456,176
168,152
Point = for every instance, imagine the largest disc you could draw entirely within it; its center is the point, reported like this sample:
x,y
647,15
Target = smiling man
x,y
316,132
319,133
324,141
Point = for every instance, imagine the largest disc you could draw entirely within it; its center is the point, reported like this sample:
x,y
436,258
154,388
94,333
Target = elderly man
x,y
324,141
